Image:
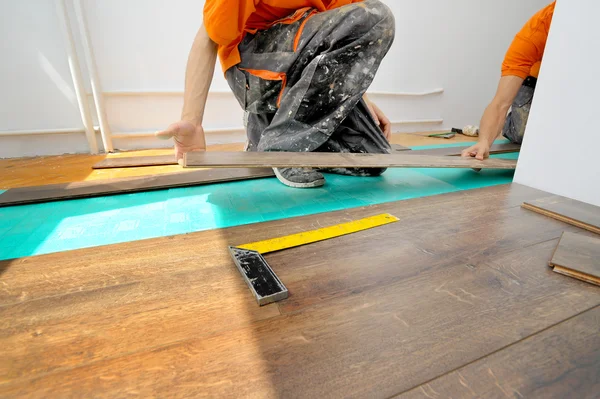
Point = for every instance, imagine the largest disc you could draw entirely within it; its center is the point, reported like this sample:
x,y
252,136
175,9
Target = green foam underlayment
x,y
37,229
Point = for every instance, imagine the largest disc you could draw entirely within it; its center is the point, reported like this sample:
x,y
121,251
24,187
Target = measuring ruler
x,y
262,280
325,233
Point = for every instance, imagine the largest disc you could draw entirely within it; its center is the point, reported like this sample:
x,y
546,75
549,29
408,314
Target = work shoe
x,y
299,177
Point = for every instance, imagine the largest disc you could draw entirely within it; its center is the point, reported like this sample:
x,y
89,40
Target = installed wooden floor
x,y
455,299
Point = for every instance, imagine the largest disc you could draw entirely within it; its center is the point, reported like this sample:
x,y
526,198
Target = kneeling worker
x,y
520,70
300,69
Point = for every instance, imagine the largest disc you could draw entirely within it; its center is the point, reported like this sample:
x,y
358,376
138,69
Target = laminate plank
x,y
502,148
39,336
578,256
157,160
332,160
567,210
412,244
130,162
123,324
561,362
95,188
578,275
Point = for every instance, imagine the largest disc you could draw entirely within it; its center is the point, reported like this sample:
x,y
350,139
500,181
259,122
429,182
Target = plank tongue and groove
x,y
336,160
94,188
129,162
502,148
578,256
159,160
567,210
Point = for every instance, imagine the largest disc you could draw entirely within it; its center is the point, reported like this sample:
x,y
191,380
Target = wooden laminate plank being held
x,y
336,160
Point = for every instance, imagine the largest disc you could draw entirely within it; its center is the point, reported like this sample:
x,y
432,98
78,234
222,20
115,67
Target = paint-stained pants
x,y
516,121
302,83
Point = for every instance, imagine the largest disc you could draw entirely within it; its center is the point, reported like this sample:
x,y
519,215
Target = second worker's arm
x,y
494,117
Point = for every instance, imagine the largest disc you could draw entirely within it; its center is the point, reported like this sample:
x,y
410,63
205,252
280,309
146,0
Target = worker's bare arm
x,y
188,134
494,116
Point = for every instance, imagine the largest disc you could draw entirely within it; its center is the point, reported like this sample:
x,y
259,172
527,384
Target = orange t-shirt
x,y
524,57
226,21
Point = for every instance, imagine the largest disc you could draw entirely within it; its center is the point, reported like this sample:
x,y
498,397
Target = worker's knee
x,y
370,17
381,17
515,125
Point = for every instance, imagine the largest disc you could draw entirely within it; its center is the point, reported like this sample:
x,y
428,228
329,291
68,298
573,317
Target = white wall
x,y
36,89
141,49
560,150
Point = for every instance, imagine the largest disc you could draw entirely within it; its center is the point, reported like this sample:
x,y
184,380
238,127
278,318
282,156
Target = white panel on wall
x,y
36,89
43,144
560,150
142,44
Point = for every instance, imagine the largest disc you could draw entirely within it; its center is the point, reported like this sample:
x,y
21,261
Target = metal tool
x,y
262,280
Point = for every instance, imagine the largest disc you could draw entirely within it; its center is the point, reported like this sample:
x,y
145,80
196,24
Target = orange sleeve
x,y
527,49
224,19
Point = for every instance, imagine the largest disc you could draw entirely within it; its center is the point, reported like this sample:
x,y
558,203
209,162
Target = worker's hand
x,y
382,121
187,137
479,151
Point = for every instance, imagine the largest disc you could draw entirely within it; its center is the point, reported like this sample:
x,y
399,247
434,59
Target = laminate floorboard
x,y
173,317
158,311
566,359
130,162
567,210
157,160
334,160
502,148
412,245
94,188
578,256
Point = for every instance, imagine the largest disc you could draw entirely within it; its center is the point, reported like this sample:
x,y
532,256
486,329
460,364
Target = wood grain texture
x,y
578,256
567,210
86,189
566,361
332,160
502,148
129,162
155,160
27,172
172,317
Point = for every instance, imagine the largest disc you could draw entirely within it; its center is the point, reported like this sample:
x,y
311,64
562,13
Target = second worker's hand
x,y
187,137
478,151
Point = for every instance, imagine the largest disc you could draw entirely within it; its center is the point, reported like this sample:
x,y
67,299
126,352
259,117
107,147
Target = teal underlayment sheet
x,y
37,229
